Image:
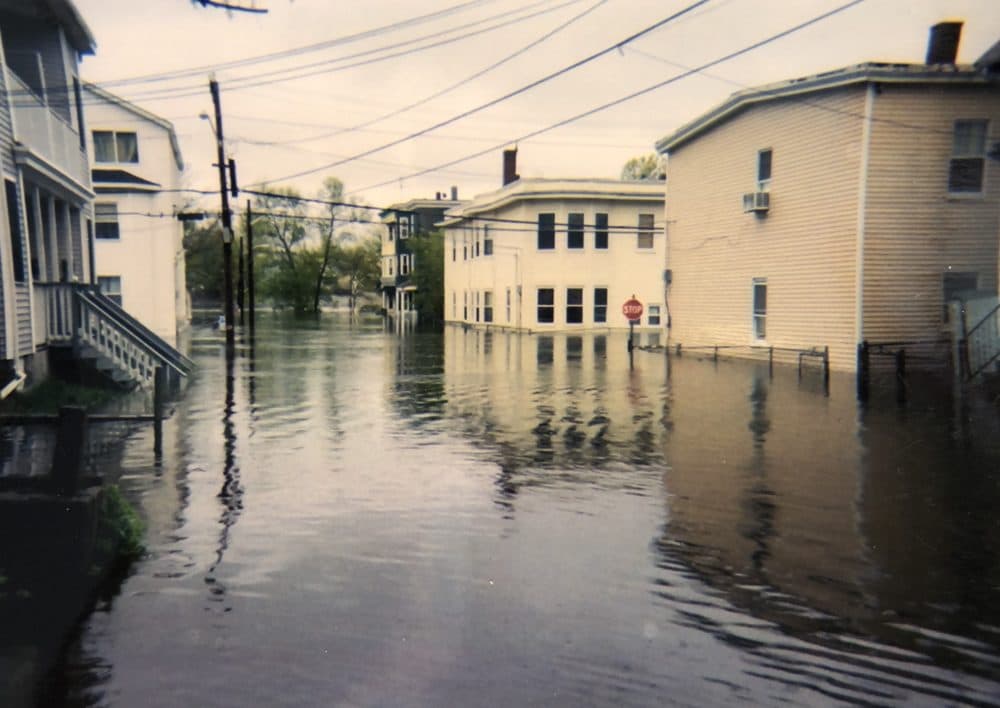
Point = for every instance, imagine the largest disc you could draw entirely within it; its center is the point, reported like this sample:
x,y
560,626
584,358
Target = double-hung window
x,y
644,238
653,318
968,157
601,231
574,231
508,304
546,305
111,285
574,305
106,216
600,305
110,146
546,232
488,306
764,169
759,308
487,241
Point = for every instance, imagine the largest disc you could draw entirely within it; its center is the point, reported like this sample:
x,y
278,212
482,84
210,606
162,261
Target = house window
x,y
454,304
404,264
465,245
968,150
465,305
404,227
546,305
759,308
487,241
111,285
601,231
488,306
958,286
653,316
454,249
645,235
477,305
508,305
16,237
106,216
574,231
389,261
574,305
600,305
546,232
763,170
110,146
476,236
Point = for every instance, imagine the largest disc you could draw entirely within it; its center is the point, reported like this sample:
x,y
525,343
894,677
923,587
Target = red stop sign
x,y
632,309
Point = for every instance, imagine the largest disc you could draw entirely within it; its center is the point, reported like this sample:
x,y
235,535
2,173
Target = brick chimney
x,y
942,48
510,166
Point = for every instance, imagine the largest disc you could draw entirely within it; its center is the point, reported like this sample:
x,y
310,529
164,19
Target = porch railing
x,y
83,317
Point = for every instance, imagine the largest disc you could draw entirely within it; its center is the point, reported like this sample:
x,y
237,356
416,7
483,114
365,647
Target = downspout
x,y
859,248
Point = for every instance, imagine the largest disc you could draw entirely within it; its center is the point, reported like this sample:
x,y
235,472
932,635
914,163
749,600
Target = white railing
x,y
53,313
126,352
47,134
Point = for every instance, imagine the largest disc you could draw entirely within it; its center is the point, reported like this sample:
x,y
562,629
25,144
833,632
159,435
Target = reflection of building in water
x,y
556,255
812,518
566,402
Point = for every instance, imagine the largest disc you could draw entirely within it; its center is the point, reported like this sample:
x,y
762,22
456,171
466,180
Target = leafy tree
x,y
357,266
650,167
203,261
428,250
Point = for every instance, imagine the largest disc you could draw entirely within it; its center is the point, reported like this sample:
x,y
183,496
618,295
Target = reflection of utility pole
x,y
227,221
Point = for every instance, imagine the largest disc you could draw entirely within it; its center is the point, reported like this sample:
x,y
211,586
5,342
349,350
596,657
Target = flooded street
x,y
357,518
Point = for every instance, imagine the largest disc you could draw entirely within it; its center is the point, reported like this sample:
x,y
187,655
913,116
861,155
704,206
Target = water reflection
x,y
440,520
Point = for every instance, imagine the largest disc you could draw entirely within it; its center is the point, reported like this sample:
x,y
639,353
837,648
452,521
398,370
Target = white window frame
x,y
971,152
756,316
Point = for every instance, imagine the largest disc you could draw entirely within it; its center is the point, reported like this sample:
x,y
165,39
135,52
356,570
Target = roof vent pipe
x,y
510,166
454,193
942,48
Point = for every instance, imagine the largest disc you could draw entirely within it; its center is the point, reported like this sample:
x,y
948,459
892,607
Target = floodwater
x,y
353,517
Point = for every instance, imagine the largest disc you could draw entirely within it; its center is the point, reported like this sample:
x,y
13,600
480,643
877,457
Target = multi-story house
x,y
547,255
50,311
836,209
138,245
404,221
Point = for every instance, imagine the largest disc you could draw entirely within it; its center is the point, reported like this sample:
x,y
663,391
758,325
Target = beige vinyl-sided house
x,y
839,208
138,245
545,255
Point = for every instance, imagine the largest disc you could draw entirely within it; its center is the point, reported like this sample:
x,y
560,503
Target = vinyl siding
x,y
915,231
804,246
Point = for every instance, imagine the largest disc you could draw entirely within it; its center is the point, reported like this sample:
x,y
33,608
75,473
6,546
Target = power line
x,y
507,96
626,98
462,82
278,75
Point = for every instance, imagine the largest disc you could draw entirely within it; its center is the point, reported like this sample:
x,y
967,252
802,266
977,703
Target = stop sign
x,y
632,309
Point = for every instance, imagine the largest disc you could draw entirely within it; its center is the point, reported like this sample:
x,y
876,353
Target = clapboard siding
x,y
915,231
804,246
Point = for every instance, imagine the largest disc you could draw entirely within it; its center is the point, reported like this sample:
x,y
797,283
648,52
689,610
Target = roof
x,y
71,21
123,177
109,97
388,214
571,189
859,74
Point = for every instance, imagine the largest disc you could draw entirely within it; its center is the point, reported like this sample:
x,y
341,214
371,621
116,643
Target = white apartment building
x,y
138,246
544,255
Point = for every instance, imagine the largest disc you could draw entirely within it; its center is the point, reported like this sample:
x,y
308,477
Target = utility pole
x,y
227,219
250,274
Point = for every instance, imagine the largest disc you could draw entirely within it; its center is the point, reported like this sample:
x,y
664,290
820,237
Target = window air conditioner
x,y
758,202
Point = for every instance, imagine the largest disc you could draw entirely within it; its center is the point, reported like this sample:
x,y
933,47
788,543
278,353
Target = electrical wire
x,y
626,98
527,87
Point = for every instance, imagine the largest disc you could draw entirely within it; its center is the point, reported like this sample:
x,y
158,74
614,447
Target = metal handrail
x,y
970,346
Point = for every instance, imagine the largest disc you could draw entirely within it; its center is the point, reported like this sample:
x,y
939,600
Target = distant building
x,y
548,255
138,245
837,208
402,222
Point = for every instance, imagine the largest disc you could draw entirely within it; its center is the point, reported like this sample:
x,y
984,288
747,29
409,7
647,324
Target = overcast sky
x,y
270,116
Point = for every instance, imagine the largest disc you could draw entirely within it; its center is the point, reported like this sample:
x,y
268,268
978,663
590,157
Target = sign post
x,y
632,309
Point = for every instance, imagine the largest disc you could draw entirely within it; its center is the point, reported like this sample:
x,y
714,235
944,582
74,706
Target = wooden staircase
x,y
106,337
980,347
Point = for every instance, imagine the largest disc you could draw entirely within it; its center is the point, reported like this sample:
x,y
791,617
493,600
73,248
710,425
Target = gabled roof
x,y
859,74
142,113
571,189
414,205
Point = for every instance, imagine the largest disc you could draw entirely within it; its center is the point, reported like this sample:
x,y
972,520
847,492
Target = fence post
x,y
901,375
863,370
826,369
67,462
159,393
